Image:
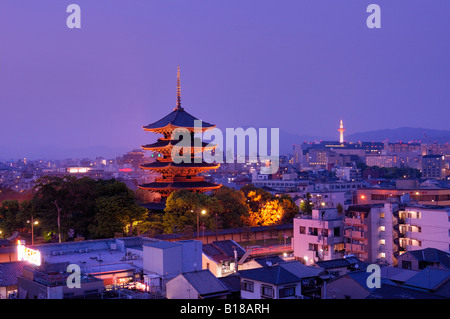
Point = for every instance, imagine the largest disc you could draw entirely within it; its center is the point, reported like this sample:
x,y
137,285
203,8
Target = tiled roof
x,y
432,255
179,185
223,250
429,278
178,117
275,275
9,272
205,283
398,292
300,270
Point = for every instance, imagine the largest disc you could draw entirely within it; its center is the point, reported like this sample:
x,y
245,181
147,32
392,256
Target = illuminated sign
x,y
30,255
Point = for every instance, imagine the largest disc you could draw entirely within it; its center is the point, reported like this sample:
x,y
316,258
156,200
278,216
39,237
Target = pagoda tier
x,y
183,175
182,169
164,146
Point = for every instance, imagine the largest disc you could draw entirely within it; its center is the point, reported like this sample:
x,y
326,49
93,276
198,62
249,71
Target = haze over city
x,y
296,65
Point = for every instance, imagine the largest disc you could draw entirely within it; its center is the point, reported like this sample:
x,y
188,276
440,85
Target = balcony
x,y
354,234
354,222
358,248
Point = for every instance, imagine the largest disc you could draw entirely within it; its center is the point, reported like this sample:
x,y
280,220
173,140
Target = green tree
x,y
116,211
183,207
306,206
234,207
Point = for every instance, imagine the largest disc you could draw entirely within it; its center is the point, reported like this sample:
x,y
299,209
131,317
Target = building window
x,y
266,291
383,255
382,241
302,229
287,292
382,228
247,286
406,264
382,215
337,232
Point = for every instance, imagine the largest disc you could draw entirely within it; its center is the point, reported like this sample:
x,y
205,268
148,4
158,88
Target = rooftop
x,y
205,282
178,118
276,275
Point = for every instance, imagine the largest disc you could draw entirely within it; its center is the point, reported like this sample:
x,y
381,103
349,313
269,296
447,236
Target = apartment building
x,y
369,232
421,195
424,227
318,236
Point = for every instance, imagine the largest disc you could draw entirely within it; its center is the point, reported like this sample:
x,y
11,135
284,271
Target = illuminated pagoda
x,y
175,175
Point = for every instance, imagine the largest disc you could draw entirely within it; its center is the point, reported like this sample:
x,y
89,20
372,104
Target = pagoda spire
x,y
178,91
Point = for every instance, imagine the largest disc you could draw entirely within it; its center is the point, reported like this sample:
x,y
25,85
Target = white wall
x,y
179,288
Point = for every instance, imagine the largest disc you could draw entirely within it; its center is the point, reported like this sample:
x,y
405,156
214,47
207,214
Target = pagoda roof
x,y
179,185
179,165
165,143
178,118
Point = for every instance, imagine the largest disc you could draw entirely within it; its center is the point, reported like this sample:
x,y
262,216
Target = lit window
x,y
382,228
383,255
382,241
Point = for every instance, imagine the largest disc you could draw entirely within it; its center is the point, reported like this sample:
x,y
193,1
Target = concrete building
x,y
434,166
168,259
319,236
424,227
369,232
433,195
350,174
383,160
49,281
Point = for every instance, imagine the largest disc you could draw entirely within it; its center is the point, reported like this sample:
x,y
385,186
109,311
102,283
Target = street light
x,y
203,212
33,222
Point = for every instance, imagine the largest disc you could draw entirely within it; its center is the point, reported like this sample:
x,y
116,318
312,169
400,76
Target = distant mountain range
x,y
403,134
287,140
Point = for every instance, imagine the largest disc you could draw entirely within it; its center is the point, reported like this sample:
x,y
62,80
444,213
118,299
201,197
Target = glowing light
x,y
363,196
27,254
75,170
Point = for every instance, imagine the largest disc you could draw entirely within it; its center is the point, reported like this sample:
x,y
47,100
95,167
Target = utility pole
x,y
59,219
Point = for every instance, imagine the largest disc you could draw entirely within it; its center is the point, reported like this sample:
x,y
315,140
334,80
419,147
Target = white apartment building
x,y
319,236
369,232
423,227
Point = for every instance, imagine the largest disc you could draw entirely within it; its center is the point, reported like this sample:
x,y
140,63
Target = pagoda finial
x,y
178,91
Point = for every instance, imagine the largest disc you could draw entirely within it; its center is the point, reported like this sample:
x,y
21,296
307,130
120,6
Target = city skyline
x,y
300,67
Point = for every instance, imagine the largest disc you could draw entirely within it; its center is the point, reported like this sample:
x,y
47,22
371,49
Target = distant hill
x,y
404,134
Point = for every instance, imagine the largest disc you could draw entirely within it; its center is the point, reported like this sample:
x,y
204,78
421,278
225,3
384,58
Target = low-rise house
x,y
261,262
399,292
353,285
422,258
9,272
311,277
397,275
200,284
431,280
341,266
271,282
221,257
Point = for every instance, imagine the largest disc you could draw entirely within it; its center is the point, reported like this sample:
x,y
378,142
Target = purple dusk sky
x,y
296,65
